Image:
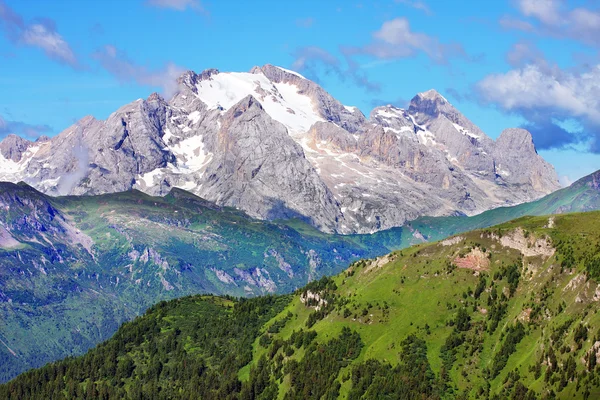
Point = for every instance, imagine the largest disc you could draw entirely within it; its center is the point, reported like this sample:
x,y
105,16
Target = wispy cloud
x,y
31,131
554,18
312,59
455,94
395,39
41,34
118,64
522,53
416,4
508,22
178,5
305,22
392,41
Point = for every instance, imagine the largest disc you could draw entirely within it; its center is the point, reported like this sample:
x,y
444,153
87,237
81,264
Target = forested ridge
x,y
509,312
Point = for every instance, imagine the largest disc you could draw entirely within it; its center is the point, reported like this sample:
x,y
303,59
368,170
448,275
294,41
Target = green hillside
x,y
72,269
505,312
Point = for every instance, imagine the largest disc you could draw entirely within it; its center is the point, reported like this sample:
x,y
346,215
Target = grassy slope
x,y
56,300
419,291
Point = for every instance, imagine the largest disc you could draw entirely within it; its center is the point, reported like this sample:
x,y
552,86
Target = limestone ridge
x,y
277,145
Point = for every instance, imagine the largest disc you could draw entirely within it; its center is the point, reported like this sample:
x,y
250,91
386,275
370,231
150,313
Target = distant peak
x,y
516,139
270,70
11,137
86,120
42,139
155,96
207,73
190,78
432,94
245,104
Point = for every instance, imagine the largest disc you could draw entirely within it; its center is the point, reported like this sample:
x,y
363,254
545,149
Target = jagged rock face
x,y
464,142
276,145
348,118
94,157
517,161
331,136
13,147
259,168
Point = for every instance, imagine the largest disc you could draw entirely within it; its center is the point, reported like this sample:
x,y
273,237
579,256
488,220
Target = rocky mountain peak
x,y
430,103
42,139
277,145
433,95
278,74
247,103
155,97
207,73
516,140
13,147
86,121
189,79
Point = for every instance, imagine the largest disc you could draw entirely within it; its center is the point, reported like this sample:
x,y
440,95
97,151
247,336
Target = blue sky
x,y
531,63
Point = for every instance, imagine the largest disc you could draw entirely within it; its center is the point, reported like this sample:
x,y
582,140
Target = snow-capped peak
x,y
289,71
280,100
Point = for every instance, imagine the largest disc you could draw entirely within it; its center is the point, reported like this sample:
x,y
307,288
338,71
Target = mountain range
x,y
75,267
276,145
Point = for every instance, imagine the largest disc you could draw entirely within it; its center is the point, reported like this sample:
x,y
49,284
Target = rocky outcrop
x,y
260,169
329,136
13,147
518,163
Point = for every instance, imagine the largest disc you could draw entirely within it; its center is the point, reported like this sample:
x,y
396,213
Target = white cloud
x,y
514,23
416,4
553,18
395,39
547,11
524,52
41,34
178,5
536,87
50,41
118,64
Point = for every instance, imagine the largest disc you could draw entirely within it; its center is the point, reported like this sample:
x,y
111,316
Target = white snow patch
x,y
387,114
190,153
148,177
167,136
289,71
189,185
8,167
464,131
194,116
226,89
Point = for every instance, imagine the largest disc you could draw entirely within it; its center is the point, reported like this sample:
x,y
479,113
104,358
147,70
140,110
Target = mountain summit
x,y
277,145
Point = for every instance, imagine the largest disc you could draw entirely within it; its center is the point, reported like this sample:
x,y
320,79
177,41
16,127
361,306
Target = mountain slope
x,y
582,195
507,312
275,144
74,268
92,262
